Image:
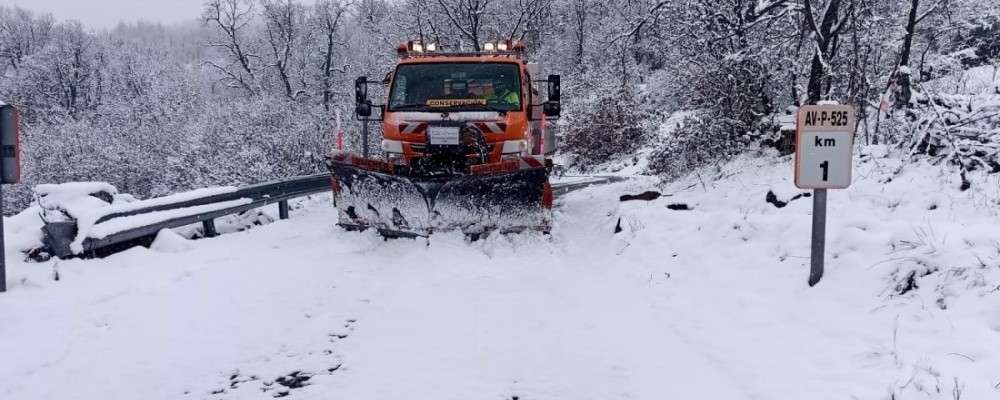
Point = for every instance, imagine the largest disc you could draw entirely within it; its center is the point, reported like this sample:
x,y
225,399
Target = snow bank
x,y
168,241
982,80
22,232
875,150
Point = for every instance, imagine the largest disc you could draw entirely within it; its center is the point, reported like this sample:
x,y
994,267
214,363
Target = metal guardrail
x,y
560,189
59,235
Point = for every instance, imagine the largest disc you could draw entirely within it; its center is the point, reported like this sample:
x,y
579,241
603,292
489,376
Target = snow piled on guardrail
x,y
88,202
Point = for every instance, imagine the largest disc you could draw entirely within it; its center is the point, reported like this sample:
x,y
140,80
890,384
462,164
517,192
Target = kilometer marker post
x,y
824,154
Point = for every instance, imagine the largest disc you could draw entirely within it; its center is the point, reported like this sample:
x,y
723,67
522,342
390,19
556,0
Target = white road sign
x,y
824,147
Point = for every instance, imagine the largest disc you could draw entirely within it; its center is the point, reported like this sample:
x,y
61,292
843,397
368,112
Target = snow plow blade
x,y
372,194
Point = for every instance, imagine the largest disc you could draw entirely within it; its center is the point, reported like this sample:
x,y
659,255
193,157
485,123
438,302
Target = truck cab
x,y
458,109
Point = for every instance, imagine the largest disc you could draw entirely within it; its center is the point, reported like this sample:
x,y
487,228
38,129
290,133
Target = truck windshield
x,y
456,86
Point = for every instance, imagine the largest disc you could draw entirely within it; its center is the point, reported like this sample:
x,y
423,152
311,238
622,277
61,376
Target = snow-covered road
x,y
703,304
524,315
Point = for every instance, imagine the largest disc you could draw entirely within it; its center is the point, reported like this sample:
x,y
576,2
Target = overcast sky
x,y
100,14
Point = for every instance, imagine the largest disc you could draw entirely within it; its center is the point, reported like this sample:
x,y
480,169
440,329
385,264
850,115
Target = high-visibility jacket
x,y
509,98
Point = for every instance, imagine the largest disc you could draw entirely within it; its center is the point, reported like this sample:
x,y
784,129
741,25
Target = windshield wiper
x,y
486,107
421,107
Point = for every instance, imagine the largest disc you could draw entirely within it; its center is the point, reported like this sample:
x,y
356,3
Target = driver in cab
x,y
503,93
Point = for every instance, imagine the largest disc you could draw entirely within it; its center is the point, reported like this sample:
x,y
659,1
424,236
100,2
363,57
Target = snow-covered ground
x,y
973,81
705,303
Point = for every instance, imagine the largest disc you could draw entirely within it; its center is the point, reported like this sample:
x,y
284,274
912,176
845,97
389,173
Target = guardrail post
x,y
209,226
283,209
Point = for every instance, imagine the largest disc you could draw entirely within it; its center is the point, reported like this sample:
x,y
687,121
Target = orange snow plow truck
x,y
464,144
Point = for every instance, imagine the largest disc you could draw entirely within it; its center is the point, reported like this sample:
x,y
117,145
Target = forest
x,y
251,90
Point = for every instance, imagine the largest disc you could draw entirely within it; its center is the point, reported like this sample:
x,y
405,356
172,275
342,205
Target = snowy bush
x,y
613,125
983,37
959,129
724,124
700,139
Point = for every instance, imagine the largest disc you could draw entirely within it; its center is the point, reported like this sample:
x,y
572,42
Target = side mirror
x,y
361,90
552,107
363,109
554,88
